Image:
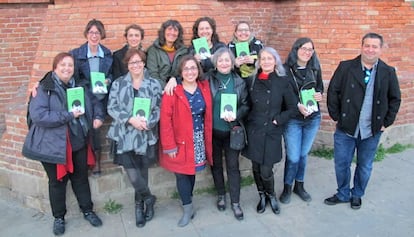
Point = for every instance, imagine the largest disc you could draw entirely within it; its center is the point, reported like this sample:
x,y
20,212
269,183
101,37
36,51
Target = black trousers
x,y
79,181
221,142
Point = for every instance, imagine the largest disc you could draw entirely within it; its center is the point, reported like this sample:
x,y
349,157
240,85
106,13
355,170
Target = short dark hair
x,y
98,25
372,35
131,52
161,33
135,27
59,57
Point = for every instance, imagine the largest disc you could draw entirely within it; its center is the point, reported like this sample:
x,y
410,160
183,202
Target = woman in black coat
x,y
273,102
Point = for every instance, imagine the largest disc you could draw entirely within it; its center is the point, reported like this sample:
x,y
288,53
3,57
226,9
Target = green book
x,y
76,99
307,99
98,83
201,47
242,49
142,107
228,105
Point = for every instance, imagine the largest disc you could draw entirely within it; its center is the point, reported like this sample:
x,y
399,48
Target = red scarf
x,y
63,169
263,76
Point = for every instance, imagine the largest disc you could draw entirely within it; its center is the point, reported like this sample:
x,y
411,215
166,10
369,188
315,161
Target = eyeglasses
x,y
187,69
309,50
243,30
367,75
94,33
139,63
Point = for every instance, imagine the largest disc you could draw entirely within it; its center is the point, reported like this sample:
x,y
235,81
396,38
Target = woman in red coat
x,y
186,131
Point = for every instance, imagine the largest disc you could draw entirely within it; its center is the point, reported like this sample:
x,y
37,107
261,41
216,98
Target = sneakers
x,y
333,200
92,218
59,226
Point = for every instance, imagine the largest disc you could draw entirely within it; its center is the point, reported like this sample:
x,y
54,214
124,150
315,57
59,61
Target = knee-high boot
x,y
261,205
270,193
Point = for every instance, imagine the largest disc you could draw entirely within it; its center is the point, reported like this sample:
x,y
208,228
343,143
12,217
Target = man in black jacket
x,y
363,98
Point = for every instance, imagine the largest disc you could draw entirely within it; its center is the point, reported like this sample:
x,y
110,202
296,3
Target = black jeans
x,y
185,187
79,181
221,142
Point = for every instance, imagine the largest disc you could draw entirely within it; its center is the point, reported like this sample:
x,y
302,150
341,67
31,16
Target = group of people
x,y
185,129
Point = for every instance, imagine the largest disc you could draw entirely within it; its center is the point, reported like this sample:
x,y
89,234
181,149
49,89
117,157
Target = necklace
x,y
224,85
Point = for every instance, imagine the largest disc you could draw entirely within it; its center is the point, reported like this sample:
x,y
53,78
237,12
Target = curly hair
x,y
179,42
214,37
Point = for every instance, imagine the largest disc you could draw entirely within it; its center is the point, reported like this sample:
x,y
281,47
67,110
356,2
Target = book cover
x,y
142,107
228,105
76,99
307,99
98,83
242,49
201,47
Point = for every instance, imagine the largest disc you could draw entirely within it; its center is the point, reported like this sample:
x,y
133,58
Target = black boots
x,y
139,214
149,207
261,206
287,192
270,194
221,202
301,192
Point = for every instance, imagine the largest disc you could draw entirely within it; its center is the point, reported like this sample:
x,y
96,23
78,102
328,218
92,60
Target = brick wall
x,y
32,34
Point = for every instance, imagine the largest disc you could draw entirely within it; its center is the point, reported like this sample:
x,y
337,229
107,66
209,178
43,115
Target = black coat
x,y
346,94
271,99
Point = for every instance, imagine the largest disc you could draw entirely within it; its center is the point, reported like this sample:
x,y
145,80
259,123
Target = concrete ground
x,y
387,210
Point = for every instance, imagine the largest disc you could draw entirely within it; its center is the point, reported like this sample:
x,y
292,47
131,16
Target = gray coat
x,y
120,106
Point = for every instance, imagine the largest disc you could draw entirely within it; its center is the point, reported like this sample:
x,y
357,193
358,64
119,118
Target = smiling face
x,y
190,71
136,65
64,69
305,53
267,62
93,36
242,32
224,63
133,38
204,30
371,51
171,34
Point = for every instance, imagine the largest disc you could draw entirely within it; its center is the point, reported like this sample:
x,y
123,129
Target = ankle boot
x,y
261,206
149,207
273,202
139,214
285,196
221,202
301,192
188,214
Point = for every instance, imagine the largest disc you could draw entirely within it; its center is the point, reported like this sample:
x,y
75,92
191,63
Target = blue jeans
x,y
299,136
344,149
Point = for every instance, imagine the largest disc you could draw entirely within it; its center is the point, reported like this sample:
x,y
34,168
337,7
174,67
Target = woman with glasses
x,y
186,132
206,27
134,34
94,59
136,136
305,76
245,64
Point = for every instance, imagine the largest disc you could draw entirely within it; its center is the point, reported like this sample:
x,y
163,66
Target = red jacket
x,y
176,130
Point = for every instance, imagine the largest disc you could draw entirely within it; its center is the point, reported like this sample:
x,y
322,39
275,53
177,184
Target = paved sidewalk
x,y
387,210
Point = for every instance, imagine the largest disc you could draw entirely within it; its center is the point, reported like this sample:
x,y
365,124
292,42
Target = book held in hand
x,y
242,49
228,105
142,107
98,83
76,99
201,47
307,99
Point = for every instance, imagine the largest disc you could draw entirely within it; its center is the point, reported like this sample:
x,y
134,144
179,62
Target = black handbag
x,y
238,138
